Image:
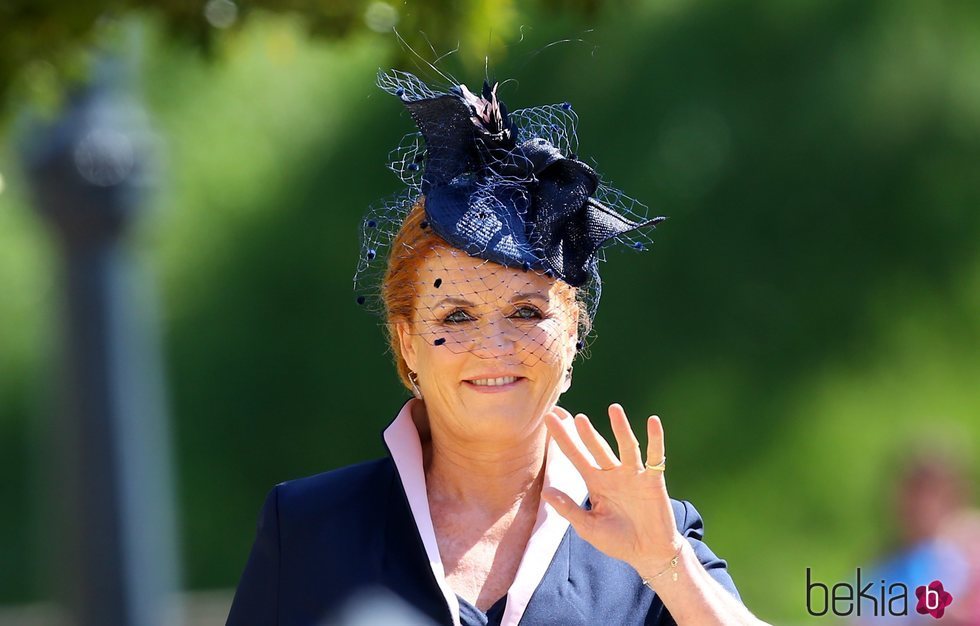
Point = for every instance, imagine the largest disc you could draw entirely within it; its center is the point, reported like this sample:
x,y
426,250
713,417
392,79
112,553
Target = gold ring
x,y
660,467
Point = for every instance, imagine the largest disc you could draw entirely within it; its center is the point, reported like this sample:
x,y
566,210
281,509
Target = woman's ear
x,y
573,331
566,382
404,335
570,352
571,344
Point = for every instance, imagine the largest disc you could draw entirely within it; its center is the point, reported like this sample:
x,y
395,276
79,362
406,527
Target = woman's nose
x,y
497,338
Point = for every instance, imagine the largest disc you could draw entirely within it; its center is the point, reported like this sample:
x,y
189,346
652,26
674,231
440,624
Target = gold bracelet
x,y
672,566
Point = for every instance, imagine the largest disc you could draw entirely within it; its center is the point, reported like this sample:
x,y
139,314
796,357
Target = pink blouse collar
x,y
402,438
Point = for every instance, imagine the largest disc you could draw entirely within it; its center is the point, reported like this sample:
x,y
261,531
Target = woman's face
x,y
491,345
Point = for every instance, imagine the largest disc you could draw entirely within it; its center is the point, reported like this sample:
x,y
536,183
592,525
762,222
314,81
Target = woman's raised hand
x,y
631,517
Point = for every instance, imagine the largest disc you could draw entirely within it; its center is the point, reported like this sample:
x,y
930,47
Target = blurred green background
x,y
809,313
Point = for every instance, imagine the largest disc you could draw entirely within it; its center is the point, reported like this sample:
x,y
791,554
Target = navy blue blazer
x,y
322,538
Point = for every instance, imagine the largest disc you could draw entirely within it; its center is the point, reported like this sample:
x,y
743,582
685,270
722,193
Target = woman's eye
x,y
457,316
527,313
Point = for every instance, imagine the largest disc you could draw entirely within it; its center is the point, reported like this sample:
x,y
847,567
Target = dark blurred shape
x,y
108,440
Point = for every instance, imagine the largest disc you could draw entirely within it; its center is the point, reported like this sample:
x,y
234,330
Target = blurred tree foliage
x,y
46,45
810,311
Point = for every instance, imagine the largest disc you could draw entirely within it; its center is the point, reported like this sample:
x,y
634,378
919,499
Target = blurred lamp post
x,y
109,438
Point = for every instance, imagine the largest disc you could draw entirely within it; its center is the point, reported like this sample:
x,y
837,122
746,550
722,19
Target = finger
x,y
655,444
570,447
629,447
566,507
562,413
600,450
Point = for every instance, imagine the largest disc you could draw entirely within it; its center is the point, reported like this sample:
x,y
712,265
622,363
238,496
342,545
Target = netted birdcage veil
x,y
518,212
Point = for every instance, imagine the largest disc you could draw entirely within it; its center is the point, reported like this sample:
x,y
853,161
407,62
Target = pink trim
x,y
403,440
548,531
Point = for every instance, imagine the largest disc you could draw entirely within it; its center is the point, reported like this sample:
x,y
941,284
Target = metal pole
x,y
114,507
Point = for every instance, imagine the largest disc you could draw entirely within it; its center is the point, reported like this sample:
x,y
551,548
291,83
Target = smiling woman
x,y
508,350
495,506
429,291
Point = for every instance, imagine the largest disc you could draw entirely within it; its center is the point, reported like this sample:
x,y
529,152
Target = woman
x,y
495,505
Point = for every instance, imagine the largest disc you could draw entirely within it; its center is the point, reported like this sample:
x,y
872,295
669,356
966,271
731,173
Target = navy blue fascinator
x,y
503,186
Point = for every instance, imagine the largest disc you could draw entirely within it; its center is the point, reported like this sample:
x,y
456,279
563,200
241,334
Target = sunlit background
x,y
806,325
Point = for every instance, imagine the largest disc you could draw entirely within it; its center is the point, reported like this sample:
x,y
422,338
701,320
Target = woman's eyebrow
x,y
520,296
530,294
456,301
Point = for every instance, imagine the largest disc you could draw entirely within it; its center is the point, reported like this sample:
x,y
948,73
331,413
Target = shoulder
x,y
691,525
688,519
339,489
316,540
340,481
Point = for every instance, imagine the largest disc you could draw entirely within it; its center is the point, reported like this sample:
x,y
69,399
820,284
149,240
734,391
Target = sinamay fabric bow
x,y
505,187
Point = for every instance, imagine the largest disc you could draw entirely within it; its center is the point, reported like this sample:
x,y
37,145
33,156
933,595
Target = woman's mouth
x,y
495,384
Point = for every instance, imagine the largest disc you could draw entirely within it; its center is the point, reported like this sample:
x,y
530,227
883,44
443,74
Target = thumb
x,y
566,507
